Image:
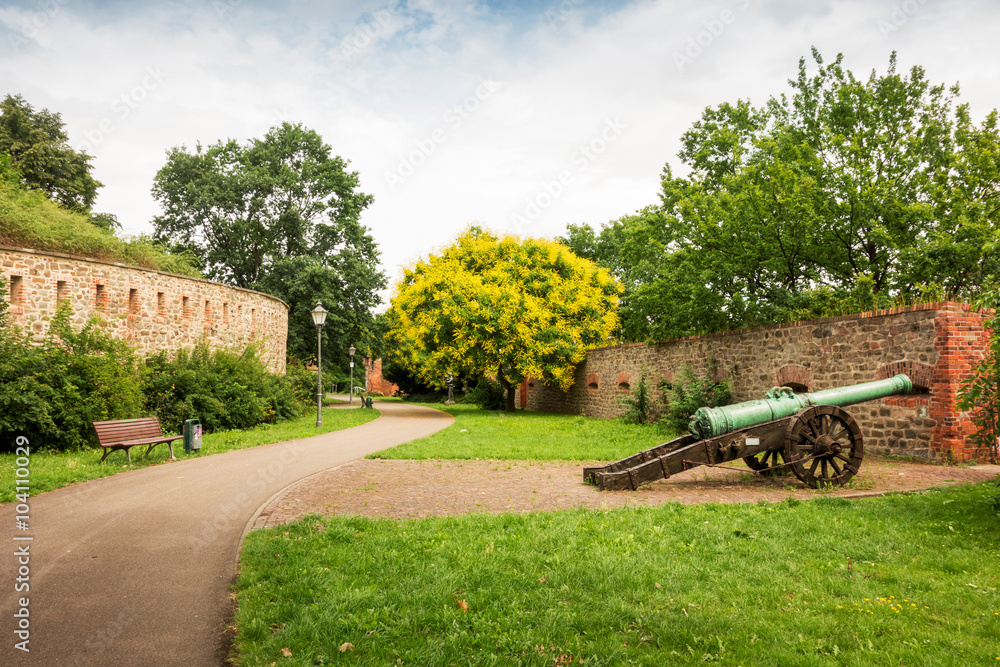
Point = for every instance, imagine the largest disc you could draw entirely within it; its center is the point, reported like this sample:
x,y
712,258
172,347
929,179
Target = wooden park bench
x,y
127,433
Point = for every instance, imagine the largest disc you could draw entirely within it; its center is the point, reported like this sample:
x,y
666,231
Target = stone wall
x,y
154,310
935,344
376,381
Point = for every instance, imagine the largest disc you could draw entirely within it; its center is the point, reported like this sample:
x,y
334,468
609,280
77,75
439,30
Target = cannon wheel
x,y
829,440
765,461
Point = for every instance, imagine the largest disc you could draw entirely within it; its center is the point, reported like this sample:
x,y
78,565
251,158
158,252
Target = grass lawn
x,y
521,436
901,580
52,470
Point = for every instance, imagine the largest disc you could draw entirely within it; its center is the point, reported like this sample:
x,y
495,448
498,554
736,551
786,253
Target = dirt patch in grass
x,y
403,489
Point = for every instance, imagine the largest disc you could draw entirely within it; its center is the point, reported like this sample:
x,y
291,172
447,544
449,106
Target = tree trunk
x,y
508,389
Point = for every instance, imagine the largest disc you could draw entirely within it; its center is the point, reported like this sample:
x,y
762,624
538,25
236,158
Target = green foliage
x,y
904,580
39,148
488,394
28,219
223,388
846,193
638,406
690,392
54,391
402,378
302,382
980,392
281,215
348,289
503,306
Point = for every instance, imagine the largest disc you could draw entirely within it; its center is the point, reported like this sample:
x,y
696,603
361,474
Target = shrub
x,y
221,388
488,394
302,381
52,392
688,394
980,392
637,404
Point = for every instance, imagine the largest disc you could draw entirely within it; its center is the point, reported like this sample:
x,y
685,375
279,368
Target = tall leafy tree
x,y
280,214
845,190
39,148
503,306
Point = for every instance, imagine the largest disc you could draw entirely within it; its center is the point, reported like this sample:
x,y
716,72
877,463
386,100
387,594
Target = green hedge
x,y
52,392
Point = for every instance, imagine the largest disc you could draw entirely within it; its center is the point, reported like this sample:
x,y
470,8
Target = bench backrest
x,y
128,429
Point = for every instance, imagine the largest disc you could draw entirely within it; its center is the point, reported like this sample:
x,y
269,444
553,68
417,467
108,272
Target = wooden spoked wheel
x,y
824,445
764,462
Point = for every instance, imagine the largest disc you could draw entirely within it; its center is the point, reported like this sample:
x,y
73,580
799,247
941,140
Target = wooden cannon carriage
x,y
811,434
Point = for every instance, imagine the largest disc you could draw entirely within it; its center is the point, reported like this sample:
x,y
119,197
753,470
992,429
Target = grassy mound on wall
x,y
29,219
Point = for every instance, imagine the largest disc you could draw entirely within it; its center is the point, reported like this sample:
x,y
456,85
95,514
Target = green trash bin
x,y
368,402
192,435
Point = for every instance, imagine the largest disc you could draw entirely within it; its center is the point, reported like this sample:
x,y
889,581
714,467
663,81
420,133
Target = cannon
x,y
810,434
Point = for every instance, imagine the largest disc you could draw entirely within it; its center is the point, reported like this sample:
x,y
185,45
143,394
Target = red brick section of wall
x,y
935,344
375,380
960,343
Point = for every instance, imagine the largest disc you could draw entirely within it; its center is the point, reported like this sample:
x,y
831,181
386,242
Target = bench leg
x,y
108,450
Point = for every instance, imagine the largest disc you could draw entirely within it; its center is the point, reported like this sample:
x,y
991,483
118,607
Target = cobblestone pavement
x,y
402,489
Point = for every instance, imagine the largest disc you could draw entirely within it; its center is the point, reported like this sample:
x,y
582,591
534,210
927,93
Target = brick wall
x,y
154,310
375,380
935,344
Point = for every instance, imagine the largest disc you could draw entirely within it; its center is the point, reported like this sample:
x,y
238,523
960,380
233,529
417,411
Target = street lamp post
x,y
351,352
319,317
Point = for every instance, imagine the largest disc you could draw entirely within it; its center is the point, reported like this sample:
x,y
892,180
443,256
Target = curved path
x,y
135,569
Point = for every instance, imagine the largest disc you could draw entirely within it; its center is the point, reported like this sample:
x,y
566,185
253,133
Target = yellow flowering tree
x,y
504,306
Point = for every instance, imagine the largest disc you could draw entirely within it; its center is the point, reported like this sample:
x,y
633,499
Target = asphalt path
x,y
137,568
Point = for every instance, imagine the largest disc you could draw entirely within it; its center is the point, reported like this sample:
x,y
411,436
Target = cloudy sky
x,y
521,116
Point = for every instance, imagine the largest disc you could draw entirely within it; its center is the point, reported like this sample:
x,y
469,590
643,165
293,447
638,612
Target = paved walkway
x,y
135,569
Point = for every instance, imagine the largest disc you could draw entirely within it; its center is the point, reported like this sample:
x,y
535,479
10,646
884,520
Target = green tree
x,y
844,186
347,289
39,148
279,214
501,306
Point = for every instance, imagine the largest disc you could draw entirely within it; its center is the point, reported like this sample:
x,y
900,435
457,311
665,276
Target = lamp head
x,y
351,350
318,314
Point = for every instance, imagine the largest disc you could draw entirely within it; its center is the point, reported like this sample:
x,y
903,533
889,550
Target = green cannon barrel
x,y
782,402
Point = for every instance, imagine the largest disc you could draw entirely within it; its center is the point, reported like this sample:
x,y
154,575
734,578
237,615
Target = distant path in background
x,y
135,569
